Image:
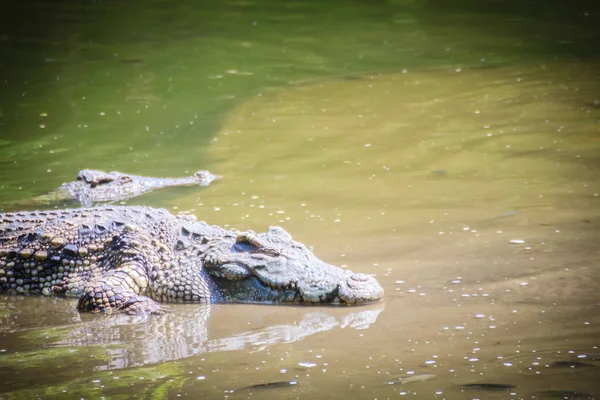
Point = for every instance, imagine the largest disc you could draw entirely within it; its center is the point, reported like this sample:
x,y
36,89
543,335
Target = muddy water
x,y
471,194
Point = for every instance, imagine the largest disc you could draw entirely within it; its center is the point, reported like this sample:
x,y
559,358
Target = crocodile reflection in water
x,y
185,332
94,186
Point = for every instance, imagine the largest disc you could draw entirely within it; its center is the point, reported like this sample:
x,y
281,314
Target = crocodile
x,y
98,186
133,259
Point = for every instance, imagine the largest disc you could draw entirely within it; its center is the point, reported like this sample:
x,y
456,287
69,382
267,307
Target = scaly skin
x,y
98,186
129,258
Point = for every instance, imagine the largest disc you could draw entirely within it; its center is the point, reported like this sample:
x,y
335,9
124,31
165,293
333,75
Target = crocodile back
x,y
60,251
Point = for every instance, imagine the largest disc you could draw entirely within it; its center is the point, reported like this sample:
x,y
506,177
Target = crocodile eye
x,y
250,242
249,237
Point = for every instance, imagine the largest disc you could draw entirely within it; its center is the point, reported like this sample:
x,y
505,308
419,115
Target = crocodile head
x,y
272,268
205,178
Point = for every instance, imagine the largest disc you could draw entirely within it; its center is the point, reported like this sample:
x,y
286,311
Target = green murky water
x,y
450,149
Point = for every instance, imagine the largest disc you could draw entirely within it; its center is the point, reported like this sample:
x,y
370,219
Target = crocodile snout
x,y
360,288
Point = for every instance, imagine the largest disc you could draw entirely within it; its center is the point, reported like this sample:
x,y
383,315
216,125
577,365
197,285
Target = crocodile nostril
x,y
360,277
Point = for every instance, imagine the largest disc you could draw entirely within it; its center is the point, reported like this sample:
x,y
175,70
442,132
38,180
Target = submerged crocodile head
x,y
205,177
271,267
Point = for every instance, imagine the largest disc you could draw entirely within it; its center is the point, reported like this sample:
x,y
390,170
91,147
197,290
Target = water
x,y
451,150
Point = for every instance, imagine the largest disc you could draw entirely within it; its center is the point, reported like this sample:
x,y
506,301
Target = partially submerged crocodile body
x,y
97,186
129,258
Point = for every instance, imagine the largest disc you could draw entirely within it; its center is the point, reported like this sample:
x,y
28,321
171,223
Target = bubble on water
x,y
307,364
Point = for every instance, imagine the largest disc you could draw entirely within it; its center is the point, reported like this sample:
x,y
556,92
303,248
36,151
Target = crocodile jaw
x,y
317,283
